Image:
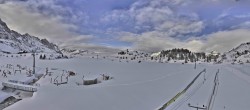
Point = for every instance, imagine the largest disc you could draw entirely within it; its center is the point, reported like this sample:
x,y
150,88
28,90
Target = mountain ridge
x,y
240,54
14,42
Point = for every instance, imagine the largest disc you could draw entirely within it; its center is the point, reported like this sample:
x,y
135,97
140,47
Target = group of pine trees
x,y
187,55
43,57
174,54
182,54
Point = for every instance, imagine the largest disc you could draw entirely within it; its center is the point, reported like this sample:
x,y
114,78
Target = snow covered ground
x,y
136,86
232,94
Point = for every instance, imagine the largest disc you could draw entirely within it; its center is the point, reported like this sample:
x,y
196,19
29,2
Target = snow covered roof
x,y
20,86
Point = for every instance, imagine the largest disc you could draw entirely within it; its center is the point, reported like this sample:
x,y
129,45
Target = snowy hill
x,y
170,56
68,51
240,54
14,42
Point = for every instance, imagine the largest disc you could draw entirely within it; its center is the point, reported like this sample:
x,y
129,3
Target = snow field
x,y
136,86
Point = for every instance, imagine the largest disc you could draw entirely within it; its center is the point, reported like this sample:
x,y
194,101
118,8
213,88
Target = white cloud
x,y
160,25
226,40
156,41
169,24
221,41
152,15
19,18
156,15
180,28
76,40
244,25
156,21
94,48
23,20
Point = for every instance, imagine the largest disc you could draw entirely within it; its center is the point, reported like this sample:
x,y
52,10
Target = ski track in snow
x,y
188,95
185,98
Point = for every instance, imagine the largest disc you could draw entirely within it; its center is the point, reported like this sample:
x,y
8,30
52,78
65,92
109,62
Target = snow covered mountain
x,y
240,54
14,42
67,51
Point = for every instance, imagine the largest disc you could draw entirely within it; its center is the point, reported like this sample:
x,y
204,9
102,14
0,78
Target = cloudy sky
x,y
148,25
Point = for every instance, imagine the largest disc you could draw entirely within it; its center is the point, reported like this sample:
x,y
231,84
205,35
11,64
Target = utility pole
x,y
195,63
34,61
204,76
197,107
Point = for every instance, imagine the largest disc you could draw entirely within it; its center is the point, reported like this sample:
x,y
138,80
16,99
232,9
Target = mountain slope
x,y
239,54
14,42
67,51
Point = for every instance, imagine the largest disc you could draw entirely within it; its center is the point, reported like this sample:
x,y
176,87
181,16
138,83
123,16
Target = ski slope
x,y
136,86
232,93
